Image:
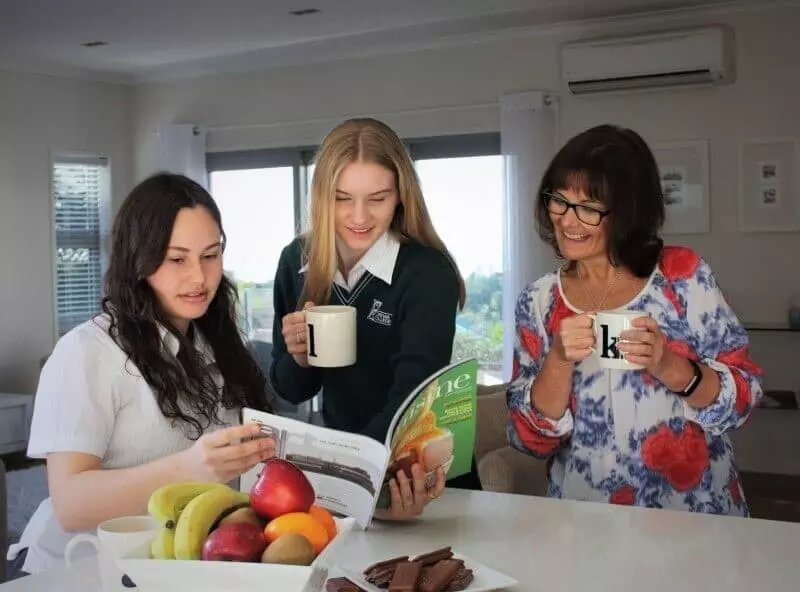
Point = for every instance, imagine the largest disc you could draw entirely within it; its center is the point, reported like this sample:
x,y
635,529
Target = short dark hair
x,y
185,391
614,166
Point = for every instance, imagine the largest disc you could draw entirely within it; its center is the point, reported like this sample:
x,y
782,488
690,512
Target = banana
x,y
200,514
167,502
163,546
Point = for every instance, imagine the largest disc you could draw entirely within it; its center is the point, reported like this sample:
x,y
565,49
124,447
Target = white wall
x,y
39,116
297,105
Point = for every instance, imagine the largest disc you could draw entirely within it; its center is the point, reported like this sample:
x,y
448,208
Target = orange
x,y
302,523
325,518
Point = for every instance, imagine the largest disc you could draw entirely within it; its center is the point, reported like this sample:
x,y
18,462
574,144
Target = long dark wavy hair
x,y
185,390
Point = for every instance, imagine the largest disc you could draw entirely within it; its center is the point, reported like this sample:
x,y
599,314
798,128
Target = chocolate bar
x,y
342,585
405,577
385,563
433,556
439,575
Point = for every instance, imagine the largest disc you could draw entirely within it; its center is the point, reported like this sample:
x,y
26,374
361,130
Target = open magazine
x,y
434,426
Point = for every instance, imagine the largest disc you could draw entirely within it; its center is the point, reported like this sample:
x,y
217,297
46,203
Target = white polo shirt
x,y
92,399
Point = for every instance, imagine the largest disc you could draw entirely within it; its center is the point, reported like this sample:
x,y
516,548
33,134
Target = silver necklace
x,y
597,305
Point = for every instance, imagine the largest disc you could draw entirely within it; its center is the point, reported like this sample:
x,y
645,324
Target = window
x,y
81,191
463,183
257,207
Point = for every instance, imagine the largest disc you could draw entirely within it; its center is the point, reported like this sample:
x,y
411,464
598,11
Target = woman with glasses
x,y
653,437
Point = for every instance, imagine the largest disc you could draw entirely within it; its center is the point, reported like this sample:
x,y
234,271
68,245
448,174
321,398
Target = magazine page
x,y
346,470
436,426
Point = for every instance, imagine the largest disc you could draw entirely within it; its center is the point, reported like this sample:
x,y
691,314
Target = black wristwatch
x,y
693,383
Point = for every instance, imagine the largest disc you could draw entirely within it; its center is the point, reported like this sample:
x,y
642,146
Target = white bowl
x,y
170,575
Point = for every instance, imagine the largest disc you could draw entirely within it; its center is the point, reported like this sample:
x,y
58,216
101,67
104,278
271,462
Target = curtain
x,y
529,135
181,148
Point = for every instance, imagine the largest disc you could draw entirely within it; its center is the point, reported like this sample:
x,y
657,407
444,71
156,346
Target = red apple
x,y
236,541
281,488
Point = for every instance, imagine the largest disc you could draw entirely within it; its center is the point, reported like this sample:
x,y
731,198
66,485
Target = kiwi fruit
x,y
243,514
290,548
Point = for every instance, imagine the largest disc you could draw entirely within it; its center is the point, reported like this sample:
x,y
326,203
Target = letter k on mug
x,y
607,328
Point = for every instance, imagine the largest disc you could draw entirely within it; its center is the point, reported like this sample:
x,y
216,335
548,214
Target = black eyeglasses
x,y
586,214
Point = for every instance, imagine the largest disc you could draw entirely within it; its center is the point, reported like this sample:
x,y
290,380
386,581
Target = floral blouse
x,y
625,438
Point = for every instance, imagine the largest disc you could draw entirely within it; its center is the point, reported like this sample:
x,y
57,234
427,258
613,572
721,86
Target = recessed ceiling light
x,y
94,43
304,11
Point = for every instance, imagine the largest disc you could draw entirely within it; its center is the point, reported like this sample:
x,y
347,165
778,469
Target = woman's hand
x,y
294,335
226,453
575,339
645,344
409,498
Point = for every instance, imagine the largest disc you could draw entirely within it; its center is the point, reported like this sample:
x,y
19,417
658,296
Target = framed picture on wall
x,y
683,167
768,185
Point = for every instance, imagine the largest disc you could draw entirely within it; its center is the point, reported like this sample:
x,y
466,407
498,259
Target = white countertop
x,y
572,546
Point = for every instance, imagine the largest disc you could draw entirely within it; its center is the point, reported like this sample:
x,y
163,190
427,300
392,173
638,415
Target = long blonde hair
x,y
372,141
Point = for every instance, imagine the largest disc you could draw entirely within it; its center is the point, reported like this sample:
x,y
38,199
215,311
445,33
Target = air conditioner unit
x,y
656,60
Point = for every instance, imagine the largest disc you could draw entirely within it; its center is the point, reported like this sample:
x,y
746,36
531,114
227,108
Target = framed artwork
x,y
768,186
683,167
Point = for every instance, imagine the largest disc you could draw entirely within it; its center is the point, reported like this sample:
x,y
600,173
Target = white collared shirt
x,y
379,261
92,399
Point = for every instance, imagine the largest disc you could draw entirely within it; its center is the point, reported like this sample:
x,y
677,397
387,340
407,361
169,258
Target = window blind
x,y
79,189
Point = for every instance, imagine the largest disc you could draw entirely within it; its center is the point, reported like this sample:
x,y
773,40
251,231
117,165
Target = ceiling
x,y
157,39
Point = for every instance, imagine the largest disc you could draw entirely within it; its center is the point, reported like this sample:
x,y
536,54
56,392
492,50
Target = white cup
x,y
114,538
331,336
607,328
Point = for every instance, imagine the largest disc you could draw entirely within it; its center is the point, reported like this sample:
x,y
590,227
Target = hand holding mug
x,y
644,344
294,335
575,338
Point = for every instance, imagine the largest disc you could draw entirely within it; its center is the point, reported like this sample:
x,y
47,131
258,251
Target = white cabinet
x,y
15,422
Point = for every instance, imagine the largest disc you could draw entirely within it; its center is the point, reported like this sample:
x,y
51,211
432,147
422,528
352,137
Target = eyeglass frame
x,y
571,205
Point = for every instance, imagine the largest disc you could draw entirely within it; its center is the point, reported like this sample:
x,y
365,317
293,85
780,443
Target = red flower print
x,y
656,449
736,492
515,369
670,294
679,263
624,496
740,358
531,343
681,458
559,312
531,438
682,349
744,397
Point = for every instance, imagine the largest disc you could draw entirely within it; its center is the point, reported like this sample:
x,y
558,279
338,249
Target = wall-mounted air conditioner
x,y
668,59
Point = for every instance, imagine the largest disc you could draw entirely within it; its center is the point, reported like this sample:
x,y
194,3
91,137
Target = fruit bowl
x,y
160,575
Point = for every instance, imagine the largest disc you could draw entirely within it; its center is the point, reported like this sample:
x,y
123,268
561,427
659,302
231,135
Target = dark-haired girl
x,y
654,437
148,392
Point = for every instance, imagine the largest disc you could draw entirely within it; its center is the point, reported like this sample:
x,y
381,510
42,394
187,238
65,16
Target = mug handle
x,y
74,542
594,328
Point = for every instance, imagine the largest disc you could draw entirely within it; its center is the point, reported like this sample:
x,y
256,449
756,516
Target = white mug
x,y
114,538
331,336
607,328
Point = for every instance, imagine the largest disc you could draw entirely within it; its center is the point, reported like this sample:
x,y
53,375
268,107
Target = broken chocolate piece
x,y
385,563
461,580
434,556
439,575
342,585
405,577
